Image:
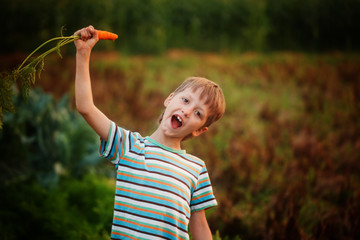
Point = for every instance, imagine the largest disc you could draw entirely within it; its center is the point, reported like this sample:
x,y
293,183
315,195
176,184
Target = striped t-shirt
x,y
157,187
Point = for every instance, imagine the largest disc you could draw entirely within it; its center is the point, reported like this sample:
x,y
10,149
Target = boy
x,y
160,189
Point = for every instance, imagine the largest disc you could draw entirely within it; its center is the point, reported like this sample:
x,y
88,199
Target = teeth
x,y
179,119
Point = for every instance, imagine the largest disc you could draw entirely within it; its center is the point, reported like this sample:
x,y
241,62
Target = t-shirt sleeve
x,y
121,144
203,196
110,149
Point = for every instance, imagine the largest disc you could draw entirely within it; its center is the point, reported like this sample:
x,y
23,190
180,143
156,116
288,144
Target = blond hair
x,y
213,94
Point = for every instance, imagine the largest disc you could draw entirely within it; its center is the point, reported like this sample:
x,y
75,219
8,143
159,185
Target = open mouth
x,y
176,121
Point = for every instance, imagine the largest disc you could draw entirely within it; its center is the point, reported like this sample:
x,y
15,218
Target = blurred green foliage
x,y
45,139
154,26
49,186
75,209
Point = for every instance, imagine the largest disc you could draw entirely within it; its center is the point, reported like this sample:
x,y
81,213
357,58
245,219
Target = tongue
x,y
175,123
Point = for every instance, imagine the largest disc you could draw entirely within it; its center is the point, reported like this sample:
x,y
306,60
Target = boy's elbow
x,y
84,110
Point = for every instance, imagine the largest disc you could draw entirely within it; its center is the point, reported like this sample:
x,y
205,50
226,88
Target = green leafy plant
x,y
75,209
54,141
25,75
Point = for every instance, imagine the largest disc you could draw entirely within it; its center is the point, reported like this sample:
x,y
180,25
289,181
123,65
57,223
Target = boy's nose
x,y
187,112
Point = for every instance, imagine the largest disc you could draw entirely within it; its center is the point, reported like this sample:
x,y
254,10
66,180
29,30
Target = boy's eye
x,y
198,113
185,100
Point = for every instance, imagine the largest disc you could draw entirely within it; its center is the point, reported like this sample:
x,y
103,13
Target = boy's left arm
x,y
199,226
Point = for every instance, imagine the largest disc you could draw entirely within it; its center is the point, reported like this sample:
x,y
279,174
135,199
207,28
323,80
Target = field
x,y
284,159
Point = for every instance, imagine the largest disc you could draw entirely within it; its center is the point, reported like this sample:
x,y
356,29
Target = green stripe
x,y
189,161
149,225
201,195
144,177
152,194
125,157
150,209
165,147
204,207
169,157
186,174
130,235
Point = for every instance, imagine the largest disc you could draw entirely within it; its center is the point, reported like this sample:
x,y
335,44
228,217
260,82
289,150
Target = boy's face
x,y
185,114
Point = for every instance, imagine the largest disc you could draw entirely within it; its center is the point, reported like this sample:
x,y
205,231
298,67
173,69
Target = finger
x,y
77,33
82,33
87,33
93,32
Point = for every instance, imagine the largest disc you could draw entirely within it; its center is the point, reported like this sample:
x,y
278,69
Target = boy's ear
x,y
168,99
199,131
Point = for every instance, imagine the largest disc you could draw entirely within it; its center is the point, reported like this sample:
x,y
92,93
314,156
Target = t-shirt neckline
x,y
181,151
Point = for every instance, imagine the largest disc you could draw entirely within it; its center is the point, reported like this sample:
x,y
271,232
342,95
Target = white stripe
x,y
135,138
197,193
203,176
153,222
127,231
109,143
184,163
156,176
164,209
204,205
164,194
170,167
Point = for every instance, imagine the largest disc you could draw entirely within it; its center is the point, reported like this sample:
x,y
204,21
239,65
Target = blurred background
x,y
284,160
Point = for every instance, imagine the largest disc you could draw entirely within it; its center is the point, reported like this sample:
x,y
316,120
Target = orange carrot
x,y
105,35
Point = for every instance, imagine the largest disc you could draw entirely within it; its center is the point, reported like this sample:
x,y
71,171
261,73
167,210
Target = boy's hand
x,y
88,39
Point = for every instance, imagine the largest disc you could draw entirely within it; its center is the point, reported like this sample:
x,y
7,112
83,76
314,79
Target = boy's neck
x,y
174,143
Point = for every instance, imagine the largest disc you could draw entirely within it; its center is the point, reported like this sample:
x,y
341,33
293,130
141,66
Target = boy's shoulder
x,y
194,160
193,157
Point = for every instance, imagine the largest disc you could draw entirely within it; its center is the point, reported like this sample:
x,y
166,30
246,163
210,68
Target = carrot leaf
x,y
27,72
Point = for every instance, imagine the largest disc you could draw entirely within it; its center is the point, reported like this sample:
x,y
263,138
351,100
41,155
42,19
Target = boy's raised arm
x,y
83,93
